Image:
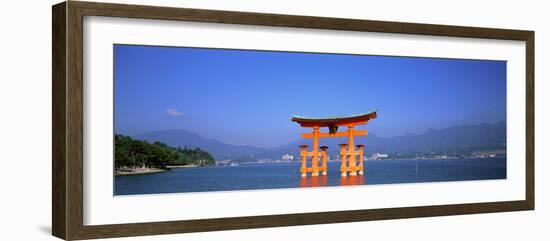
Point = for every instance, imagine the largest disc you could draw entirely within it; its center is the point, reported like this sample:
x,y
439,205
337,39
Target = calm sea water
x,y
287,175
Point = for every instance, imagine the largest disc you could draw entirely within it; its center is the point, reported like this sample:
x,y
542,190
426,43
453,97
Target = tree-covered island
x,y
137,157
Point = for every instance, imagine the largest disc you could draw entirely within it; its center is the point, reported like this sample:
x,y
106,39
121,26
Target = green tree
x,y
131,153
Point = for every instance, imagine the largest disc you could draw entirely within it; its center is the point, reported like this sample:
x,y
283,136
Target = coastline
x,y
182,166
141,171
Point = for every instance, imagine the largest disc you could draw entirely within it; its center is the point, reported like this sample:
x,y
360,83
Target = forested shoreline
x,y
132,154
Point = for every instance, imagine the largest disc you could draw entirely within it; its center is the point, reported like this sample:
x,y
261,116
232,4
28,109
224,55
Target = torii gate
x,y
347,151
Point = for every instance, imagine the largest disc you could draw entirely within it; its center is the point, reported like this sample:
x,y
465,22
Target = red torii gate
x,y
347,151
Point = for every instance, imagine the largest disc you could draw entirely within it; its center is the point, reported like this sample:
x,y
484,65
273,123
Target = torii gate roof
x,y
305,121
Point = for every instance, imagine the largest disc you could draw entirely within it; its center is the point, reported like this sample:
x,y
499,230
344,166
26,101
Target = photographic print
x,y
193,119
174,110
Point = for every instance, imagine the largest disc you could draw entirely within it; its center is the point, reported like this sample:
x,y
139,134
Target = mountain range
x,y
455,138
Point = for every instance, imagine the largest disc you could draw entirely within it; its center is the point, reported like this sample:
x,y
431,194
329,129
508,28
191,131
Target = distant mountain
x,y
183,138
450,139
456,138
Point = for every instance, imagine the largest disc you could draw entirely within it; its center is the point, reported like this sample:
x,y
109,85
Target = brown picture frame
x,y
67,136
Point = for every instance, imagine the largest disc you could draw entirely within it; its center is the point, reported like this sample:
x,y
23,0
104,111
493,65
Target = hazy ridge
x,y
455,138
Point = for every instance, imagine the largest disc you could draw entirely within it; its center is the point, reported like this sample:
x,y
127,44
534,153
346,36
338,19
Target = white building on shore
x,y
377,156
287,157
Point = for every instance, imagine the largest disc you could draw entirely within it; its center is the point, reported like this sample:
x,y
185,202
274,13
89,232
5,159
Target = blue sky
x,y
247,97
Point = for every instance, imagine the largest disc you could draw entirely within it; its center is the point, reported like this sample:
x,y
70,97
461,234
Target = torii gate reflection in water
x,y
348,153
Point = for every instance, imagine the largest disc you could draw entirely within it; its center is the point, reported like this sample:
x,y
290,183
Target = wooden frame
x,y
67,152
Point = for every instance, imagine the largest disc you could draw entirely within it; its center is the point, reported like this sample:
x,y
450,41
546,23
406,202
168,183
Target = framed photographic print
x,y
171,120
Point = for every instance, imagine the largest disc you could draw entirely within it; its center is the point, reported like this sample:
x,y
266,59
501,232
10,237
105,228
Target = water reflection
x,y
352,180
318,181
321,181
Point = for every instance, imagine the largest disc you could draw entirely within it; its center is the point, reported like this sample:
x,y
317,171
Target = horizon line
x,y
281,145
